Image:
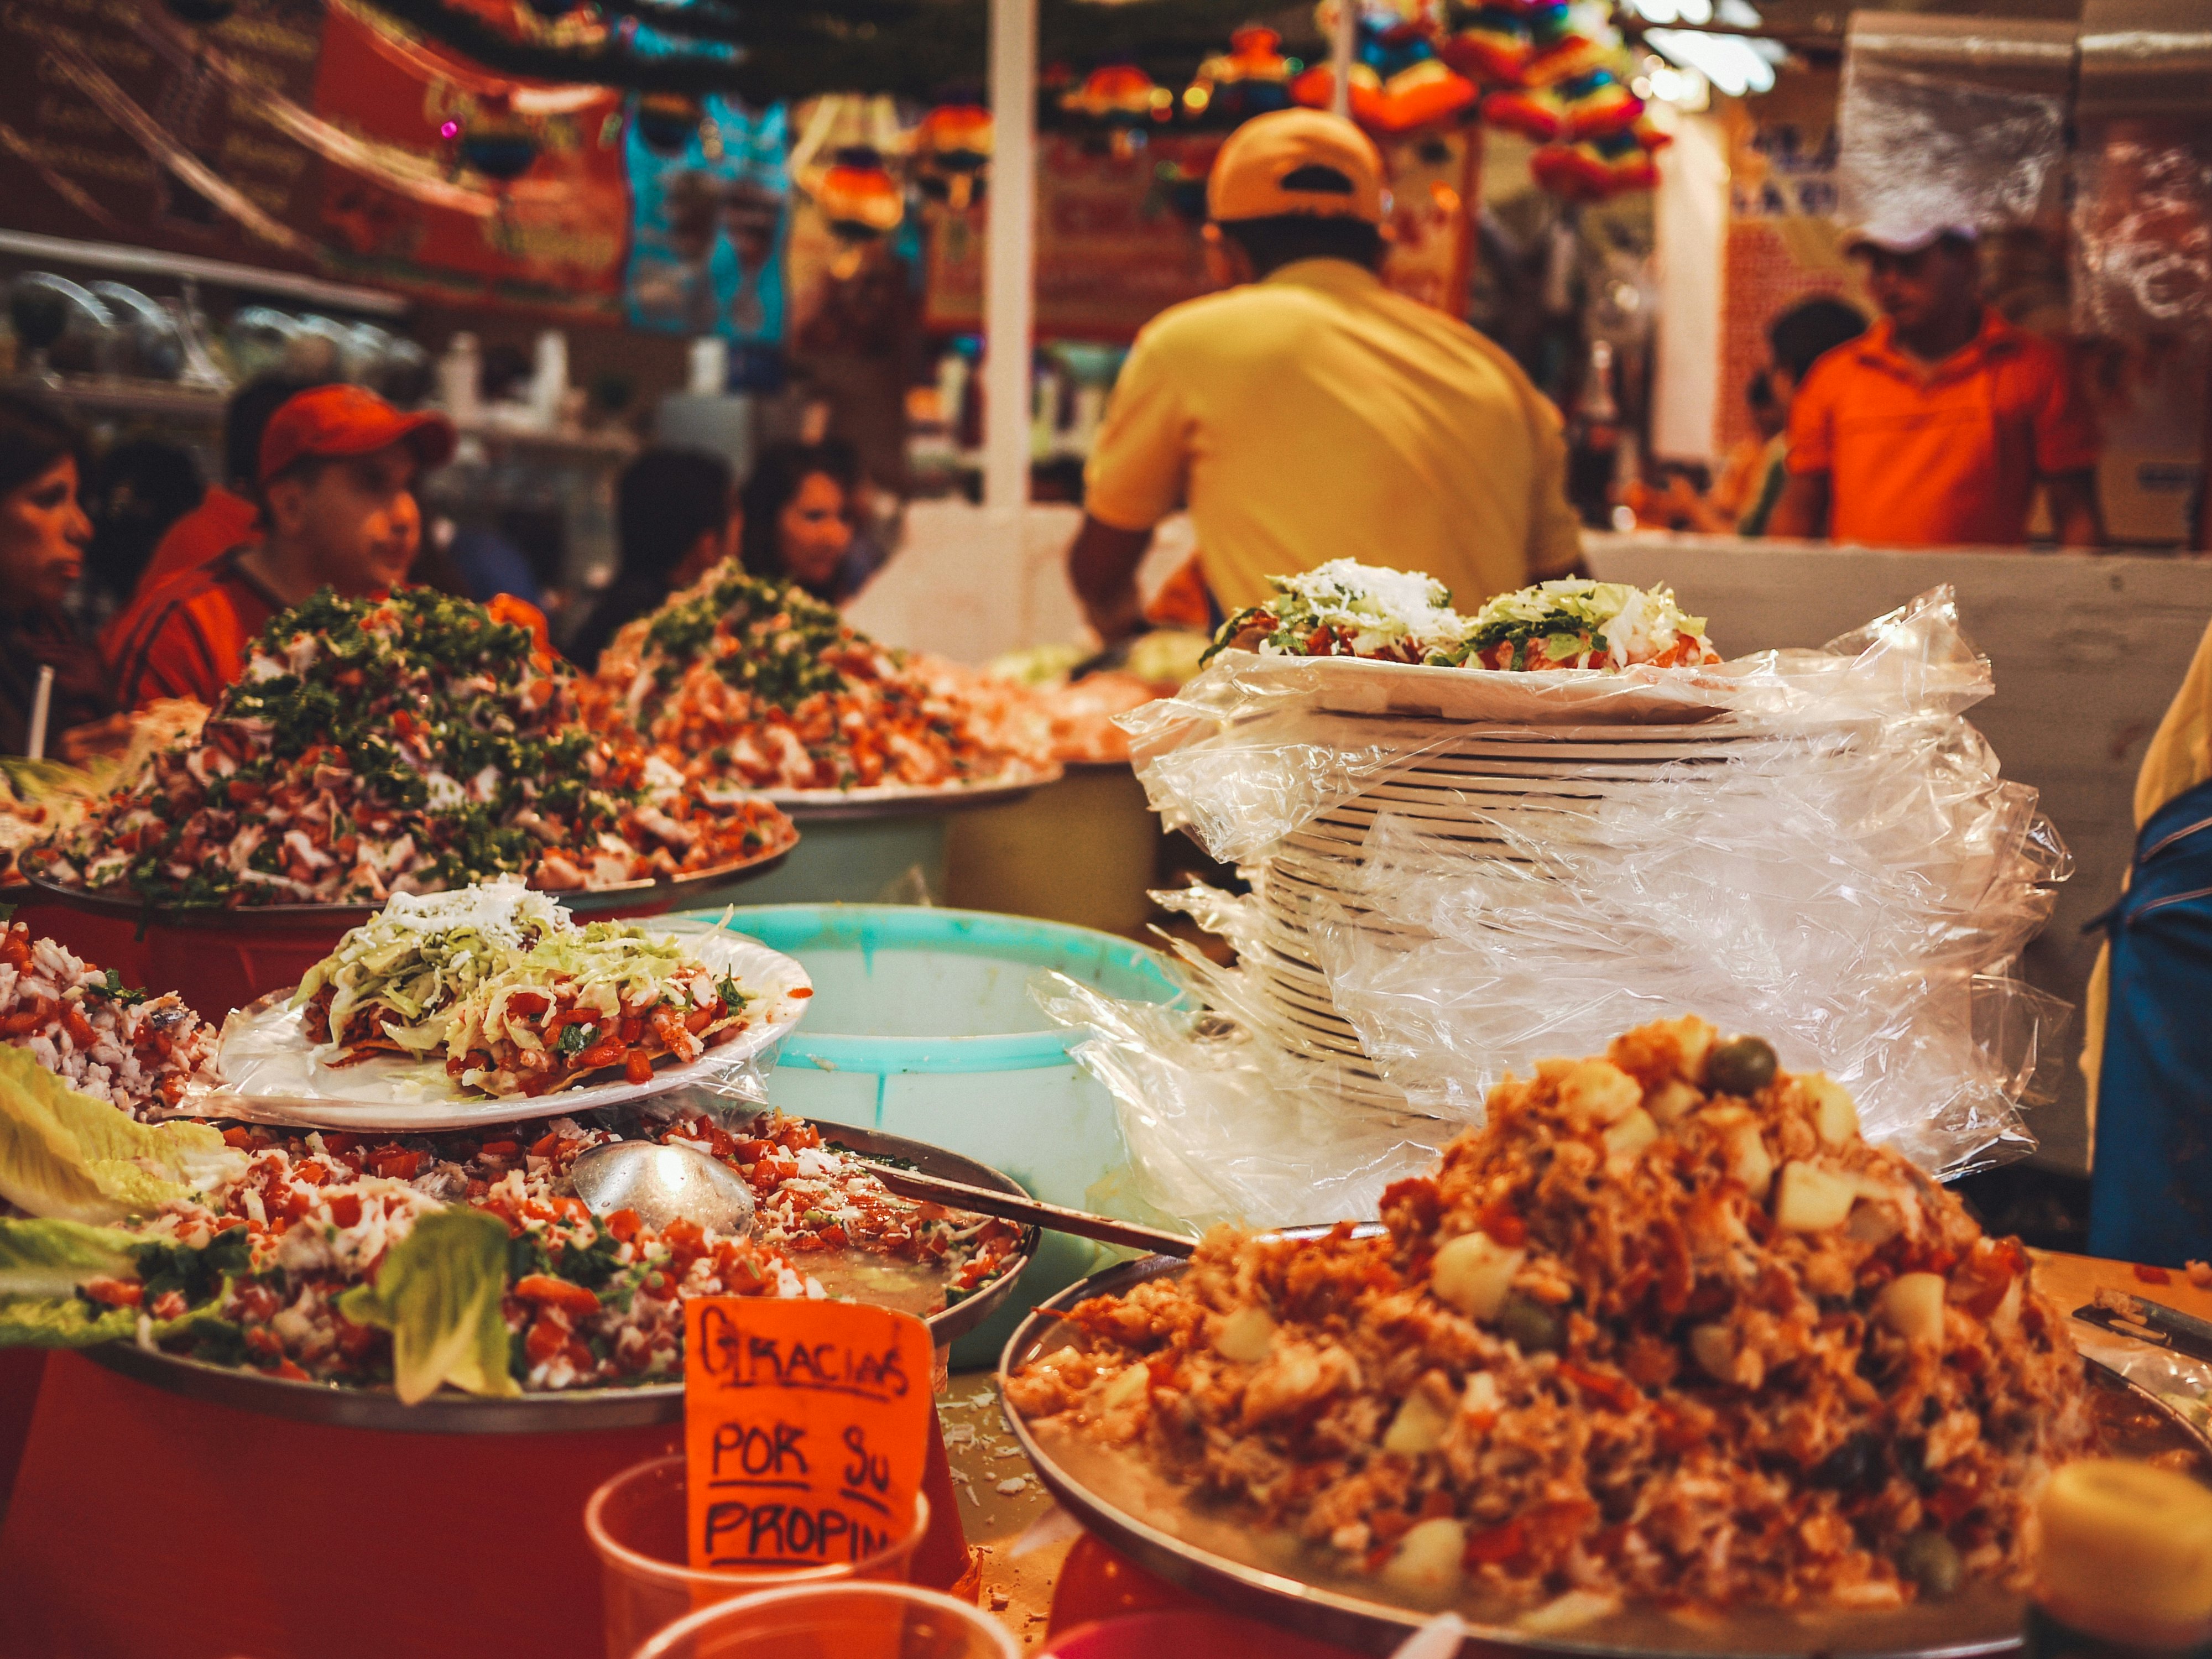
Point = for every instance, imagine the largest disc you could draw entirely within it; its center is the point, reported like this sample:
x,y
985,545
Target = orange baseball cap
x,y
1296,160
349,420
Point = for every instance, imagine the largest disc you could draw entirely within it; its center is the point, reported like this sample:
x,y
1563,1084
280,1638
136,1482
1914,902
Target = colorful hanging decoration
x,y
494,141
1251,78
858,194
1398,82
1591,169
1120,95
952,153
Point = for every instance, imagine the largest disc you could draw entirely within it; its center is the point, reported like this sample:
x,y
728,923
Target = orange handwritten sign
x,y
806,1425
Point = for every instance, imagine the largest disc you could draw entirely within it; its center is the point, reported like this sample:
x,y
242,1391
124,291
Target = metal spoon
x,y
1010,1206
664,1184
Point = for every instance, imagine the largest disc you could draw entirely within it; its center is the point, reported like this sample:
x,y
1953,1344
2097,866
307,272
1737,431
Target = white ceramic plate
x,y
269,1073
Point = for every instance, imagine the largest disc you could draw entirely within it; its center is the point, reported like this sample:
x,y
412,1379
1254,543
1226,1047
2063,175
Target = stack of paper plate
x,y
1469,792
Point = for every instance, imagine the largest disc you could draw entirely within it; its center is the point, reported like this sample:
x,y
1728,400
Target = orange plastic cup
x,y
837,1621
637,1523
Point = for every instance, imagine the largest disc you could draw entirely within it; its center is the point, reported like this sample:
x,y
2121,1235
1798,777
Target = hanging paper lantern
x,y
1536,112
1120,95
1397,81
1592,169
953,149
1492,44
1597,103
1251,78
858,194
496,141
667,121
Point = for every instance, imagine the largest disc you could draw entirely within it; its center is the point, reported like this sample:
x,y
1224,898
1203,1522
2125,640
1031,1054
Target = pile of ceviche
x,y
757,684
1345,608
422,1262
96,1034
1666,1331
406,744
503,986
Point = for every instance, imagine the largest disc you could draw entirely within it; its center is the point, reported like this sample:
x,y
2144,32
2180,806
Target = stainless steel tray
x,y
578,1411
1206,1553
806,806
661,893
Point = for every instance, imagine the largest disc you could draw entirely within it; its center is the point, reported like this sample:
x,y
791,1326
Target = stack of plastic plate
x,y
1540,783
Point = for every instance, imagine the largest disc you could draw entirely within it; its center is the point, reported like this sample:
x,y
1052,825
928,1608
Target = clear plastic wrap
x,y
1813,846
2142,227
1978,105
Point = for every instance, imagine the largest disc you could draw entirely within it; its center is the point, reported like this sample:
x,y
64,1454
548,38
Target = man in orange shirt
x,y
338,466
1934,428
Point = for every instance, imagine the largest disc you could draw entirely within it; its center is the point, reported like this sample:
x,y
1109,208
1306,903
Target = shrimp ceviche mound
x,y
426,1261
407,744
102,1038
1665,1330
757,684
1345,608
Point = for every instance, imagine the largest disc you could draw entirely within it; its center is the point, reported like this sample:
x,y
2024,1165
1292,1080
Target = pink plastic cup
x,y
637,1523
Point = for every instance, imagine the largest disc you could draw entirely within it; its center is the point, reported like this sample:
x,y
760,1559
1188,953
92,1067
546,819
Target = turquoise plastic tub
x,y
922,1025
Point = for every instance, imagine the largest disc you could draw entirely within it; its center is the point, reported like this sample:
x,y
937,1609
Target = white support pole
x,y
1339,56
1010,266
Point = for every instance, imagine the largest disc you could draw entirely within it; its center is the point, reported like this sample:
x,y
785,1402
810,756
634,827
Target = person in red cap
x,y
338,468
1936,427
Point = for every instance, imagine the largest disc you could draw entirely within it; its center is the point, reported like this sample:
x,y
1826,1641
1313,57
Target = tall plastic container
x,y
922,1025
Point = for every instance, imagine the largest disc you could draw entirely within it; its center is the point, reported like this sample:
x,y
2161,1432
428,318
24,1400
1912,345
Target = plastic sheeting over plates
x,y
270,1072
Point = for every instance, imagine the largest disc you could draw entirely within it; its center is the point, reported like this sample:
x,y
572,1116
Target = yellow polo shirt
x,y
1314,415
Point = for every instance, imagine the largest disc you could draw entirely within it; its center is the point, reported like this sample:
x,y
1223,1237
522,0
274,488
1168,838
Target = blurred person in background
x,y
228,514
1936,428
802,508
1309,414
338,476
676,517
1796,339
43,532
136,493
1679,505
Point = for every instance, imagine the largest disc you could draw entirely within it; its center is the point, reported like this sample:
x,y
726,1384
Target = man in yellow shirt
x,y
1310,414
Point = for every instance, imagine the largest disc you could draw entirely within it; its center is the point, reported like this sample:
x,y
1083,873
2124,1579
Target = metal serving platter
x,y
895,800
1204,1550
660,893
578,1410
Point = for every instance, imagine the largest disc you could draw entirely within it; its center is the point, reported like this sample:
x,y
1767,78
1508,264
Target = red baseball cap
x,y
349,420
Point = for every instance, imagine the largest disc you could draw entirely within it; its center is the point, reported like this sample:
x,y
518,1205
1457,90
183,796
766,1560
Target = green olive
x,y
1535,1327
1931,1561
1741,1065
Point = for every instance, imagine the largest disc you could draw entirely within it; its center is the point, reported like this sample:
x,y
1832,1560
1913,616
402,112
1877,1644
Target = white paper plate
x,y
269,1073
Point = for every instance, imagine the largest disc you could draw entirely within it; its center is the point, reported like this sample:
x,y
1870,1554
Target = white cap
x,y
1899,233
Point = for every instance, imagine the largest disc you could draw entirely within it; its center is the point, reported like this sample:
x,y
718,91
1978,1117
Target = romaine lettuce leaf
x,y
438,1292
52,1258
68,1155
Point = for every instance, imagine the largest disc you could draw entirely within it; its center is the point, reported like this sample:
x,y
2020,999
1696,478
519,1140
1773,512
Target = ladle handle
x,y
984,1200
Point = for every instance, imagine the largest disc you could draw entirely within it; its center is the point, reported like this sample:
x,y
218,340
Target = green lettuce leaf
x,y
70,1157
52,1258
438,1292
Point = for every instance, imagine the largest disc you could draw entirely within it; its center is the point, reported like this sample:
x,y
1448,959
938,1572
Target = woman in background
x,y
801,508
43,532
675,516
